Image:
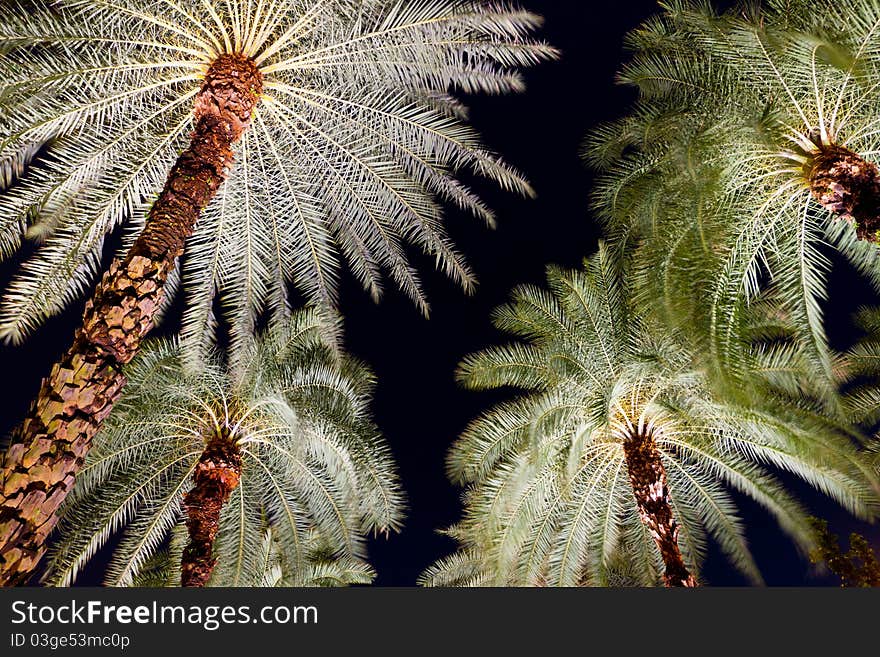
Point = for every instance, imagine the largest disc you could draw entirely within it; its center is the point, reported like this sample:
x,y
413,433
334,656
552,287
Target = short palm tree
x,y
751,149
270,464
618,460
299,133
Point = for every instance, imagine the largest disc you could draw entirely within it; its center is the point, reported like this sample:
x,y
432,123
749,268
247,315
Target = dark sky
x,y
417,404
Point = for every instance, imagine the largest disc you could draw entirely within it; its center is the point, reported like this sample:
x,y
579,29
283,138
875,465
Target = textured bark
x,y
846,184
647,478
216,476
48,449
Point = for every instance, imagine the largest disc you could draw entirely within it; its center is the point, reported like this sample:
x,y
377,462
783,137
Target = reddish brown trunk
x,y
217,475
647,477
846,184
49,448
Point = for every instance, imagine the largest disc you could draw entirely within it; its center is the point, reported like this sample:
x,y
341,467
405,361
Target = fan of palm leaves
x,y
549,499
353,147
711,164
316,477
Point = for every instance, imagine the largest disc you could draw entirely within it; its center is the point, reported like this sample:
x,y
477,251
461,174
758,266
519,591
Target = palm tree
x,y
297,132
272,462
617,461
749,151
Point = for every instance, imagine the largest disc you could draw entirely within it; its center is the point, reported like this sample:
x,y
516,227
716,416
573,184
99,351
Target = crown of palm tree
x,y
351,150
728,160
314,472
552,474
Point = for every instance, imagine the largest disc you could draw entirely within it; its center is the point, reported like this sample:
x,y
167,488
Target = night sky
x,y
417,403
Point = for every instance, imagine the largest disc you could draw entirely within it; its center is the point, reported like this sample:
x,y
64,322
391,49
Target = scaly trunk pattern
x,y
216,476
846,184
647,477
50,446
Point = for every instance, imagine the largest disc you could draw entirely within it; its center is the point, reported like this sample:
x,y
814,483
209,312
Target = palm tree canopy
x,y
352,151
316,476
548,499
713,163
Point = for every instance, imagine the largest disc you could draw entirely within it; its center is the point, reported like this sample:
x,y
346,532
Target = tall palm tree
x,y
268,464
297,132
751,149
616,462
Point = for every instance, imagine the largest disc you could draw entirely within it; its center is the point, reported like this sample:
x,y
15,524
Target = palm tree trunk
x,y
216,476
50,446
846,184
647,478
